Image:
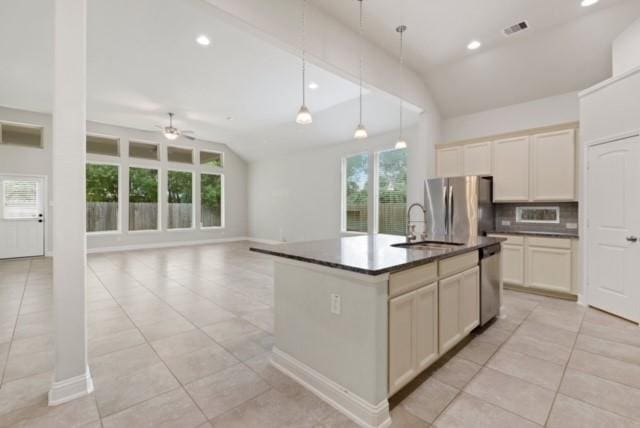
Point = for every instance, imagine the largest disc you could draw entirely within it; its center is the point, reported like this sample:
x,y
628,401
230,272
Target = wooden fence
x,y
103,216
392,218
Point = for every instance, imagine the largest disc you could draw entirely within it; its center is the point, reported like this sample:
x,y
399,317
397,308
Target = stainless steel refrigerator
x,y
458,207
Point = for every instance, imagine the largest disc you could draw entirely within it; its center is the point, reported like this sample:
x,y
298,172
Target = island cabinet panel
x,y
426,300
450,331
459,306
511,169
553,166
402,341
476,158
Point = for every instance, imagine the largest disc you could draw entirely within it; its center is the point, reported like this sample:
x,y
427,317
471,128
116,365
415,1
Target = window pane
x,y
102,198
176,154
143,199
21,199
26,136
103,145
357,181
392,188
211,159
180,199
143,150
211,200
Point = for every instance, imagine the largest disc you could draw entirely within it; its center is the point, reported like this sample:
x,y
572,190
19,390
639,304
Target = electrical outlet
x,y
506,223
336,305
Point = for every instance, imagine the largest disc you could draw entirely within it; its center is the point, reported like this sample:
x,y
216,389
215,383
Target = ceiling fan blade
x,y
158,126
188,131
189,137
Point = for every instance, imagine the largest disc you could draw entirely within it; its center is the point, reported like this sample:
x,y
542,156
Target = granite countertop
x,y
368,254
570,235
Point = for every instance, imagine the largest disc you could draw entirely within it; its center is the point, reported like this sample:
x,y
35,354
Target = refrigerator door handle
x,y
450,210
446,209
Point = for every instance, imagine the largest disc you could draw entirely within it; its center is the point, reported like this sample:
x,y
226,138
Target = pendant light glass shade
x,y
361,131
401,143
304,115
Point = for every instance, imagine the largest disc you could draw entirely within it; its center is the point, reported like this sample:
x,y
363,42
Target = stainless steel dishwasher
x,y
489,283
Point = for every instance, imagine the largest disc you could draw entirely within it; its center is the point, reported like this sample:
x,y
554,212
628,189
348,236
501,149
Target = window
x,y
107,146
392,191
180,188
21,135
179,155
211,200
102,197
538,215
143,199
356,193
143,150
21,199
213,159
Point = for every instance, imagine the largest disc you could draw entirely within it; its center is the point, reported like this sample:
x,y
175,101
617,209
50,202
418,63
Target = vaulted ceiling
x,y
567,48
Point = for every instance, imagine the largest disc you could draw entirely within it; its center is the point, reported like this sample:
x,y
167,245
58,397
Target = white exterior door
x,y
21,216
614,227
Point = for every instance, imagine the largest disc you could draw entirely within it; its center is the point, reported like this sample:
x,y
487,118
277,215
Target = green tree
x,y
102,183
180,187
143,185
392,176
211,190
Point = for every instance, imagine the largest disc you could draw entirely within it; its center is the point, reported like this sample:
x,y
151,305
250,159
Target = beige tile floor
x,y
181,338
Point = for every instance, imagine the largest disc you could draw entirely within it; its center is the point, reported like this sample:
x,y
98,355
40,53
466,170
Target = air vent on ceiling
x,y
520,26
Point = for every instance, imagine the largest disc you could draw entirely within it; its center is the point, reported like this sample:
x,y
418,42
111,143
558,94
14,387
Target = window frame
x,y
343,203
191,149
160,205
222,197
209,167
22,125
147,142
119,166
118,141
165,203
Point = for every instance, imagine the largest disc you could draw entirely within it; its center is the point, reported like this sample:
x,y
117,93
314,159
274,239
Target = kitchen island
x,y
357,318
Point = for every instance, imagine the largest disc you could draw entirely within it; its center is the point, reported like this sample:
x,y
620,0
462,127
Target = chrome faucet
x,y
411,228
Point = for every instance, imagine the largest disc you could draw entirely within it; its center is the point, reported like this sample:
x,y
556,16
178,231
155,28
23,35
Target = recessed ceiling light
x,y
474,45
203,40
313,86
587,3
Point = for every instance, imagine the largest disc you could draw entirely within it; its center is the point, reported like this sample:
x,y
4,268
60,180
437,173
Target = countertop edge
x,y
537,234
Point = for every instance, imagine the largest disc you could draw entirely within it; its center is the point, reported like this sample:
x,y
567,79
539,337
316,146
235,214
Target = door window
x,y
21,199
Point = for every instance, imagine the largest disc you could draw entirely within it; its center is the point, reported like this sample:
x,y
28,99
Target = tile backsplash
x,y
505,220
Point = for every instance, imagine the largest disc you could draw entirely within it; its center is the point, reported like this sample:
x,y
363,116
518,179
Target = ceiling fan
x,y
172,133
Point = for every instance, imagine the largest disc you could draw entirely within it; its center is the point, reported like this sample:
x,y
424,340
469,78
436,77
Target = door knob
x,y
632,238
40,221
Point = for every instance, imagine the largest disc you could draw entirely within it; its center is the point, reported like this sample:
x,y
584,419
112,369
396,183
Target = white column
x,y
72,378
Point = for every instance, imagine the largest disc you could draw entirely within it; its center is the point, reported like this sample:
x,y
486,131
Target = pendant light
x,y
401,143
361,131
304,115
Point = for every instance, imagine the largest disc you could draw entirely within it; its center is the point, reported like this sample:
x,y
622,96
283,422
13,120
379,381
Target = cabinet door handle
x,y
632,238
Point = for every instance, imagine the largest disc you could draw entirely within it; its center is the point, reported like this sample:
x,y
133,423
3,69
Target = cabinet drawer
x,y
549,242
457,264
511,239
409,280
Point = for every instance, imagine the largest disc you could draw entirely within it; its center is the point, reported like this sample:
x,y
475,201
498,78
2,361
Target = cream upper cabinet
x,y
553,166
477,159
511,169
449,162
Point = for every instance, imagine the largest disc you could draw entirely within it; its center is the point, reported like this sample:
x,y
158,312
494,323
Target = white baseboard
x,y
69,389
351,405
166,244
265,241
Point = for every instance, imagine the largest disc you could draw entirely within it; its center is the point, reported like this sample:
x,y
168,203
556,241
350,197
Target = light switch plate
x,y
506,223
336,304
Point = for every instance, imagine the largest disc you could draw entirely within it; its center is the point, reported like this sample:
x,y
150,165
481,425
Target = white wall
x,y
298,197
38,162
534,114
626,49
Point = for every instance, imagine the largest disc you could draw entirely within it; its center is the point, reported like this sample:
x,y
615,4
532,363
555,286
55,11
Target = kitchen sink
x,y
429,245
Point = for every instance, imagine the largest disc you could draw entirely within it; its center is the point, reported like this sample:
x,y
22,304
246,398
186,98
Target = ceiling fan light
x,y
171,135
361,132
304,116
401,144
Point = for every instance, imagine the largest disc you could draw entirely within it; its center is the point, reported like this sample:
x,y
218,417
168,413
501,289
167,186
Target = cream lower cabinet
x,y
541,263
413,334
459,302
